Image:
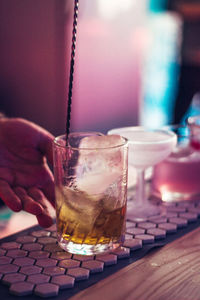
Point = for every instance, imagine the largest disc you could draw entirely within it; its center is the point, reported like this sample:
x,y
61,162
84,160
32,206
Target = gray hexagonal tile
x,y
121,252
169,227
186,204
69,263
177,209
32,246
6,269
53,248
158,233
94,266
23,261
47,262
38,278
21,288
133,244
135,230
40,233
61,255
46,240
171,214
16,253
146,238
63,281
46,290
191,217
26,239
130,224
108,259
30,270
13,278
10,245
52,271
5,260
195,210
83,257
146,225
158,219
2,252
180,222
39,254
79,273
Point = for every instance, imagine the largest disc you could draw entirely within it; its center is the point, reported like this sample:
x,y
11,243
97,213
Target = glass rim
x,y
188,132
122,130
63,138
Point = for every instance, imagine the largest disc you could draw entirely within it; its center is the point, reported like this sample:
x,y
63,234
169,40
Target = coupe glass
x,y
147,147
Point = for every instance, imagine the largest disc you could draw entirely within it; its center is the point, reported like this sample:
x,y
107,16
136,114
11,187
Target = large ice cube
x,y
101,141
100,163
76,209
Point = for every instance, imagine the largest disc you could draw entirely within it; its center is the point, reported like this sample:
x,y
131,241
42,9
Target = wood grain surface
x,y
168,273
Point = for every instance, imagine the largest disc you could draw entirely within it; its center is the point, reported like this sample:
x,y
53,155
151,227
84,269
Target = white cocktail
x,y
147,147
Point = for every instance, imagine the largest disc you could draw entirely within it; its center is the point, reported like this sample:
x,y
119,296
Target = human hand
x,y
26,181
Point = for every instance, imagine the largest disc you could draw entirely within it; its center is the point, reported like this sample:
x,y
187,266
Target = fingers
x,y
28,203
49,192
48,187
39,197
32,201
35,202
45,219
9,197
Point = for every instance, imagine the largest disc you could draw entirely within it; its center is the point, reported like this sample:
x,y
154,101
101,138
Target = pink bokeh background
x,y
107,73
34,63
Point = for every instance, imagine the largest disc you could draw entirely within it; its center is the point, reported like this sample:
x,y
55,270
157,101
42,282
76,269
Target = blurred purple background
x,y
35,38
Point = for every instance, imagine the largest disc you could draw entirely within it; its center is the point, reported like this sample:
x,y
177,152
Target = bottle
x,y
160,65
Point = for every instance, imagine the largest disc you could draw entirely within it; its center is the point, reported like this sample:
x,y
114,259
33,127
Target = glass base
x,y
141,212
168,196
85,249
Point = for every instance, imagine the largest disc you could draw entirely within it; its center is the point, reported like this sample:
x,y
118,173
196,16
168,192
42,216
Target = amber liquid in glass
x,y
92,220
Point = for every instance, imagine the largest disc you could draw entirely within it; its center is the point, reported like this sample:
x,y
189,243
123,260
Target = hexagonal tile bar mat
x,y
33,265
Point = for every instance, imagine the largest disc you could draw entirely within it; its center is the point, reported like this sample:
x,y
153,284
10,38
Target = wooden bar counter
x,y
168,273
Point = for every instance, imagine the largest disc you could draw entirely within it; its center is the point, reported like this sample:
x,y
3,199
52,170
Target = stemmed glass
x,y
147,147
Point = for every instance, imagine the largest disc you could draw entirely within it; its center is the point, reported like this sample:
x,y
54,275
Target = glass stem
x,y
140,189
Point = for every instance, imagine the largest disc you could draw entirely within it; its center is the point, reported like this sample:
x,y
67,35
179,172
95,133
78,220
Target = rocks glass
x,y
91,191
